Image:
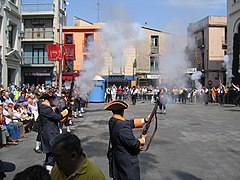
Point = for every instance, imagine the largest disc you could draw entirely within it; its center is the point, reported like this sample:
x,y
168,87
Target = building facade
x,y
40,23
209,37
148,56
10,42
233,24
140,59
81,34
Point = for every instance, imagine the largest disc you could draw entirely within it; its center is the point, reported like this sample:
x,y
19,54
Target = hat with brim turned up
x,y
116,106
6,166
47,95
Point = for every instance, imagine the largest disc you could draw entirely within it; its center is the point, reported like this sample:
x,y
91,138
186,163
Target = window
x,y
68,39
154,45
153,65
87,40
35,54
68,65
10,36
154,41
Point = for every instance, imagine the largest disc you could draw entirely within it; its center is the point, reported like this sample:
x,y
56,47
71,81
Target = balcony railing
x,y
38,7
154,70
114,70
40,60
200,43
154,49
38,35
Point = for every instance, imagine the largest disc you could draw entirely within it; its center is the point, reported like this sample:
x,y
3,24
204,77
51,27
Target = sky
x,y
165,15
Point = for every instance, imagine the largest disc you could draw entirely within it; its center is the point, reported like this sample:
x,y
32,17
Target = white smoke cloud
x,y
90,68
227,64
114,37
174,63
196,76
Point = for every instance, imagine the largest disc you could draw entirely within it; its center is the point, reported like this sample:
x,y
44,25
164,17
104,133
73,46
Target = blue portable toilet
x,y
97,92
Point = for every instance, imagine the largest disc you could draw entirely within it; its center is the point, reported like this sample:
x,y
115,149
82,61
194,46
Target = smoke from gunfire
x,y
115,35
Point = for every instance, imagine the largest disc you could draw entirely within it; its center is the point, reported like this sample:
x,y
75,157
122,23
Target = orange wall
x,y
78,33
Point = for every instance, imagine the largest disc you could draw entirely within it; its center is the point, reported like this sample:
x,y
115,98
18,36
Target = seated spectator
x,y
22,98
6,137
7,99
72,162
35,172
6,167
12,128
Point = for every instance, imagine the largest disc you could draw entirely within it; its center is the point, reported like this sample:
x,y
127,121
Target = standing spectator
x,y
214,93
162,100
114,92
119,92
72,162
205,95
134,93
221,95
144,94
108,95
49,122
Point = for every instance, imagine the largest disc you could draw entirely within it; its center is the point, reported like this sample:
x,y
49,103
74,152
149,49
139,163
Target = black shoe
x,y
37,150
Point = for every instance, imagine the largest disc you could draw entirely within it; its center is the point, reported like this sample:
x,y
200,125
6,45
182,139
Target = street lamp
x,y
62,13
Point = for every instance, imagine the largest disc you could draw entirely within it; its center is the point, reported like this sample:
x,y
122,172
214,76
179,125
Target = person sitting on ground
x,y
35,172
71,161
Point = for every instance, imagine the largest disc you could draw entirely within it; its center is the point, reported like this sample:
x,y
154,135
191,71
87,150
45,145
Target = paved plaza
x,y
193,141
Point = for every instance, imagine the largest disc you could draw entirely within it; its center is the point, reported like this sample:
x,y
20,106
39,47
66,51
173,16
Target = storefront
x,y
119,80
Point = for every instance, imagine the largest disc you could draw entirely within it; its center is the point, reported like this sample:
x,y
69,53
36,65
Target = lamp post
x,y
62,11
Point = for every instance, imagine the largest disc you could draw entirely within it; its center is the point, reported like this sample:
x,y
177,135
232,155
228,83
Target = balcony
x,y
154,70
116,70
38,8
154,49
224,43
39,35
200,43
36,61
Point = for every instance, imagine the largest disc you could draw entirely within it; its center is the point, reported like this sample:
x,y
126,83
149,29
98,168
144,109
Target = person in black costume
x,y
49,123
126,146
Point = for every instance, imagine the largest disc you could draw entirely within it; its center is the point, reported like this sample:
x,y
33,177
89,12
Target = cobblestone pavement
x,y
193,141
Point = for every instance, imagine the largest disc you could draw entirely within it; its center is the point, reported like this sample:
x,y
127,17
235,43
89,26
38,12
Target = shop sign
x,y
38,74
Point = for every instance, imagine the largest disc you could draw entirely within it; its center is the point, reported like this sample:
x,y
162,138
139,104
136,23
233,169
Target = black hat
x,y
47,95
116,106
6,166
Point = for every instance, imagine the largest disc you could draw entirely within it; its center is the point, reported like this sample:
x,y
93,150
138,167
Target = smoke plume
x,y
227,64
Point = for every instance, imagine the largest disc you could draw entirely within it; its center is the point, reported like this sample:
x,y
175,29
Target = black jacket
x,y
125,147
49,122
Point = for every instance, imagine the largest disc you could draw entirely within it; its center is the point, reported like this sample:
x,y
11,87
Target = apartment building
x,y
140,59
210,45
40,23
10,42
148,56
233,37
81,34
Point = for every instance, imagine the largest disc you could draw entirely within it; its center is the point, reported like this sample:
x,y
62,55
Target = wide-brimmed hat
x,y
116,106
6,166
47,95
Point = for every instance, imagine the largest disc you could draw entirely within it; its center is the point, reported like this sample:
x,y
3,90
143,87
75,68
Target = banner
x,y
53,51
69,51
